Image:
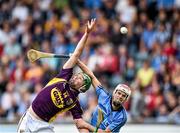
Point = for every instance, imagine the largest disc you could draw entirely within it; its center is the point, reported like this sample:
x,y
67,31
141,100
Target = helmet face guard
x,y
124,88
87,83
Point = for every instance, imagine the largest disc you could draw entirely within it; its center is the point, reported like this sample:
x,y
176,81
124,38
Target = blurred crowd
x,y
147,58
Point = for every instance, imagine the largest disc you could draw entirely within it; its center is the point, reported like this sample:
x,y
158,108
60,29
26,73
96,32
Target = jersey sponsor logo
x,y
56,97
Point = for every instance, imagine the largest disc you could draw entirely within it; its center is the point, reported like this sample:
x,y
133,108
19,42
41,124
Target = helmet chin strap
x,y
81,90
73,89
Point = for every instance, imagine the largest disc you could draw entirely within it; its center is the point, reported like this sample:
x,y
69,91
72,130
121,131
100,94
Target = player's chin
x,y
73,85
117,103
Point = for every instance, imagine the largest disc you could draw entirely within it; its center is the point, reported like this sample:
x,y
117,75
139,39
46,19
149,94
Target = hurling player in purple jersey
x,y
60,95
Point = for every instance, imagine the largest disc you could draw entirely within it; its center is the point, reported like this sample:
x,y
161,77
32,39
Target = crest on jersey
x,y
69,101
56,97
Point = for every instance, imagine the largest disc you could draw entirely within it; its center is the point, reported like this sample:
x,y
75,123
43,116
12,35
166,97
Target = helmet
x,y
124,88
87,83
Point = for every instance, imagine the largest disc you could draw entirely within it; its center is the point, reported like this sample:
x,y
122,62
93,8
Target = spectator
x,y
9,102
145,75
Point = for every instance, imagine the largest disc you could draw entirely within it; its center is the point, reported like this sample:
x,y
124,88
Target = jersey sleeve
x,y
76,111
101,93
65,74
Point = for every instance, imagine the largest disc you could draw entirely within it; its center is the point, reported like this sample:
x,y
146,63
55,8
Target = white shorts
x,y
28,123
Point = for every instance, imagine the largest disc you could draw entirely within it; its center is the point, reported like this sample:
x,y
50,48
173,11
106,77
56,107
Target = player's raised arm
x,y
85,69
79,48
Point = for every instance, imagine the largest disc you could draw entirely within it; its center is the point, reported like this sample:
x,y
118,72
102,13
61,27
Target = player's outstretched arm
x,y
85,69
80,46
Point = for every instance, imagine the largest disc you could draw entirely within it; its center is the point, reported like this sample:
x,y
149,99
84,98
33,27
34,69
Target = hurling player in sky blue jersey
x,y
114,114
60,95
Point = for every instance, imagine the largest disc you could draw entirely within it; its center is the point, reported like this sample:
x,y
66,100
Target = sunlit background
x,y
147,58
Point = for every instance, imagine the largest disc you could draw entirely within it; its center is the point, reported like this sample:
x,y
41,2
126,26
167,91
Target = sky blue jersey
x,y
114,120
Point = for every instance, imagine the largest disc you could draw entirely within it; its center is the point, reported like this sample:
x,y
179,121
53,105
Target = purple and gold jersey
x,y
56,97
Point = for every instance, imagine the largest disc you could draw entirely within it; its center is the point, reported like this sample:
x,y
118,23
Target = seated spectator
x,y
145,75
